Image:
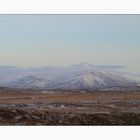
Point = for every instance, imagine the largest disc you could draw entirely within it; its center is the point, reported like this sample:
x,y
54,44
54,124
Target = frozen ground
x,y
36,107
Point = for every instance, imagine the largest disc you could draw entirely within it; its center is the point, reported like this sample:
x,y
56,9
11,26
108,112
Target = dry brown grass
x,y
30,107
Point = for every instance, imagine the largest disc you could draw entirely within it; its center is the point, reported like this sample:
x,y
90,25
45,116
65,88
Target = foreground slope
x,y
37,107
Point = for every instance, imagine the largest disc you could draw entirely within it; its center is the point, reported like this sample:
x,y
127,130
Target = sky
x,y
62,40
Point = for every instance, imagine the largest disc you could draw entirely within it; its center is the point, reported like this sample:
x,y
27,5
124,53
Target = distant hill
x,y
80,77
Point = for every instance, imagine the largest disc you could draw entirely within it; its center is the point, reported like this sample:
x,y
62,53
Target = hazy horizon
x,y
63,40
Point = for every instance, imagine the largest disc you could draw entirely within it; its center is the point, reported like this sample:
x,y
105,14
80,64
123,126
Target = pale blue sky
x,y
39,40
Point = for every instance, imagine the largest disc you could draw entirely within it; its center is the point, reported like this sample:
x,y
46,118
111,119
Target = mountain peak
x,y
79,76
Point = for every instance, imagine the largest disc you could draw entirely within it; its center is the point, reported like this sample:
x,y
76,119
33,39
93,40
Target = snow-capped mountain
x,y
81,76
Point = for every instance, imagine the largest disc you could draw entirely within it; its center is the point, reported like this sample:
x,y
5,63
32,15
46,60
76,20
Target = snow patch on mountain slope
x,y
81,76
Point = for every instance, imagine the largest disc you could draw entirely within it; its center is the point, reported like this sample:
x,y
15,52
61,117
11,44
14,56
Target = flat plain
x,y
59,107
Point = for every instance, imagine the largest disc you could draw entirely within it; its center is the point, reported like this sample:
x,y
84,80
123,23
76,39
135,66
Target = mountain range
x,y
76,77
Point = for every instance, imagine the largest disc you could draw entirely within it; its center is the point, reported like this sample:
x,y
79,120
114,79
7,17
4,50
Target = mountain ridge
x,y
75,77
